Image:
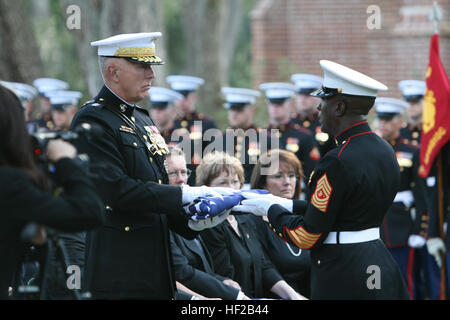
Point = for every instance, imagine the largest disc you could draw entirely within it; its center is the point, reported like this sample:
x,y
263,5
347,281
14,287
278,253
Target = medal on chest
x,y
158,145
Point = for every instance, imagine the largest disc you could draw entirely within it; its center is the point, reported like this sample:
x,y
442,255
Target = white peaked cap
x,y
306,81
139,47
44,85
412,87
23,91
390,105
348,81
240,95
64,97
160,94
277,90
184,83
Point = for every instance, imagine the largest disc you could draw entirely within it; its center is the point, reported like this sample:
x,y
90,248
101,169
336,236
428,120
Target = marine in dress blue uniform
x,y
290,135
190,124
413,92
350,191
405,226
242,138
26,93
45,86
129,257
306,114
162,102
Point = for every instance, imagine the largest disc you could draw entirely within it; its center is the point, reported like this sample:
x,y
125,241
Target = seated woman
x,y
284,181
194,270
234,245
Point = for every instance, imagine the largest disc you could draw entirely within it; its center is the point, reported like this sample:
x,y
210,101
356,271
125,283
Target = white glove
x,y
416,241
189,193
436,247
285,203
211,222
259,204
259,207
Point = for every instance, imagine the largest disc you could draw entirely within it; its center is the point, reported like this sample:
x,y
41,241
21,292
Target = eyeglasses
x,y
183,173
281,176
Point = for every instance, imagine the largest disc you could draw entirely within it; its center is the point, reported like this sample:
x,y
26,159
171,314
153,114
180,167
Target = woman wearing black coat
x,y
234,245
25,190
294,264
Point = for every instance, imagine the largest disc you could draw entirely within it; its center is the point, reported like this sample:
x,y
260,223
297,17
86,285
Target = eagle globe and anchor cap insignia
x,y
322,194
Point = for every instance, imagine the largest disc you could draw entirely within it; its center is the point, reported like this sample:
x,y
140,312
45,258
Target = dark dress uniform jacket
x,y
78,208
293,264
194,268
351,189
324,141
298,140
129,257
241,258
246,145
193,127
398,223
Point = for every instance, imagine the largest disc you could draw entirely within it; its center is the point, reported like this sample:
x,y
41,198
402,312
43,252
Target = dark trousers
x,y
434,276
421,274
404,257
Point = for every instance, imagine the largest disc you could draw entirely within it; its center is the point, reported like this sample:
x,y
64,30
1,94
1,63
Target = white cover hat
x,y
390,106
160,94
239,96
278,90
64,97
23,91
412,88
184,83
339,79
305,82
45,85
136,47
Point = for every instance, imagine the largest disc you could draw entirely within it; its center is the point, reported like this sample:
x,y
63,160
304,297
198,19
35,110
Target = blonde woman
x,y
234,244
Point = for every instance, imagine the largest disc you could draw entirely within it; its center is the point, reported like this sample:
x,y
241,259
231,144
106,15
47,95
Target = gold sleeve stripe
x,y
322,194
302,238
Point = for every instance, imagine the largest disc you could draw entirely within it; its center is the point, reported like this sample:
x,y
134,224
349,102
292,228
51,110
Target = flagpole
x,y
440,183
435,17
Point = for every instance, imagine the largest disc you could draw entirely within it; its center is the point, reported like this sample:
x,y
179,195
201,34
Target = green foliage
x,y
58,49
174,40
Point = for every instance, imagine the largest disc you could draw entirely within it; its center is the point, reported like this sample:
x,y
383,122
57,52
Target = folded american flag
x,y
205,207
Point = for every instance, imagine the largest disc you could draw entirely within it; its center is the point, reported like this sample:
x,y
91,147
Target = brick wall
x,y
290,36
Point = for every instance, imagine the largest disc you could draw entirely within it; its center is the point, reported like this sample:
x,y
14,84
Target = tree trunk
x,y
18,48
210,30
105,18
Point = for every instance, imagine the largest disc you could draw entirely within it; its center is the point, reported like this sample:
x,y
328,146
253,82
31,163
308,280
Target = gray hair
x,y
102,63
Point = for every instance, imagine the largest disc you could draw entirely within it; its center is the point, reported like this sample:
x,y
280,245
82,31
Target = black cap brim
x,y
235,106
386,115
325,92
160,105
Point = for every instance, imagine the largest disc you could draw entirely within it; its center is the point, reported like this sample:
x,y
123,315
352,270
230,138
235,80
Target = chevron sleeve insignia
x,y
322,194
302,238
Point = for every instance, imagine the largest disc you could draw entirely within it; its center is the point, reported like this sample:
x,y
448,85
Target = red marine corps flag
x,y
436,110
